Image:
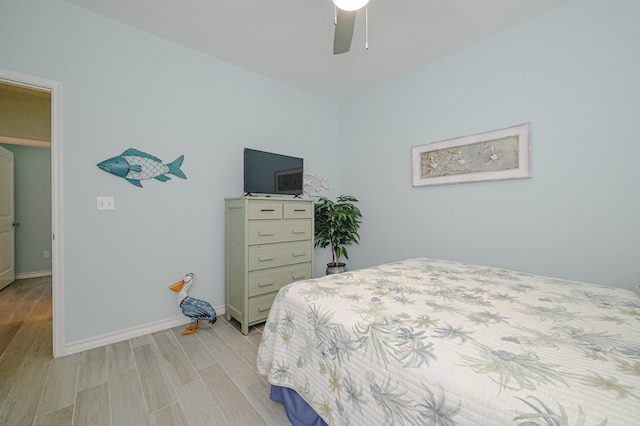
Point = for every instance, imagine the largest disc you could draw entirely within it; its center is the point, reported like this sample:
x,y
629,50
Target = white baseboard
x,y
36,274
119,336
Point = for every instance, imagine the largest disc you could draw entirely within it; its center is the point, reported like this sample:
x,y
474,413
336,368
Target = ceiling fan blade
x,y
344,31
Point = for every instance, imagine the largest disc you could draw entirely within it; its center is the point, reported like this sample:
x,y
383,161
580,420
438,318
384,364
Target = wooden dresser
x,y
268,243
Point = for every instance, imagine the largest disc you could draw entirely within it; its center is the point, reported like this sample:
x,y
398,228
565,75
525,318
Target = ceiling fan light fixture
x,y
350,5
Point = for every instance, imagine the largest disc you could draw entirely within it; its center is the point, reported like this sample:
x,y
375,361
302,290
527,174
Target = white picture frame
x,y
494,155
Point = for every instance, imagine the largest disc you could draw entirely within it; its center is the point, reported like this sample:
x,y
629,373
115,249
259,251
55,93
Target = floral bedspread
x,y
442,343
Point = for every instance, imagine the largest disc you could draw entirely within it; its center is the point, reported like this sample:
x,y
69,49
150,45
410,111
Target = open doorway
x,y
54,90
25,132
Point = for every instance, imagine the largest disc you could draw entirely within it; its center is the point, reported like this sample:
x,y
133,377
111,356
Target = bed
x,y
434,342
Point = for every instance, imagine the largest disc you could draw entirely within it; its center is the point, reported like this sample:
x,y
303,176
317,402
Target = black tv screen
x,y
269,173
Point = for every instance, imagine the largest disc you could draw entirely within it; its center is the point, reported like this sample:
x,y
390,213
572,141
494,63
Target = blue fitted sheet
x,y
298,411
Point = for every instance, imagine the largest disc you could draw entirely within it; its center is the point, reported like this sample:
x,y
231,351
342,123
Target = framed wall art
x,y
495,155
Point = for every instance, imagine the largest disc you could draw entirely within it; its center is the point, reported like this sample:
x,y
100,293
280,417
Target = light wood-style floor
x,y
164,378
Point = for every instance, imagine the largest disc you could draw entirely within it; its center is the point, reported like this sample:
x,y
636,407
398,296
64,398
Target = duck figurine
x,y
193,308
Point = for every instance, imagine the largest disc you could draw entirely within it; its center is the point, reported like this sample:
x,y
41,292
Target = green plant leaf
x,y
336,224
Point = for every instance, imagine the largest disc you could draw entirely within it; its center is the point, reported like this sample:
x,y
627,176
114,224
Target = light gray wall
x,y
573,73
32,206
124,88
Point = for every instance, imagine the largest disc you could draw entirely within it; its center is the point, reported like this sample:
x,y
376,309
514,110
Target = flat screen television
x,y
270,173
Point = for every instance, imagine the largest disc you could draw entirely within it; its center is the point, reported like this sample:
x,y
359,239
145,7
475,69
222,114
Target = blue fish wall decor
x,y
134,166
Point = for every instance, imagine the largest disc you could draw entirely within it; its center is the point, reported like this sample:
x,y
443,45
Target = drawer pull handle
x,y
299,254
266,284
265,233
297,231
268,210
264,308
300,210
299,277
264,259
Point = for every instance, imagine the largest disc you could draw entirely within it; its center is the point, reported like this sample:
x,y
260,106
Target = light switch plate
x,y
106,203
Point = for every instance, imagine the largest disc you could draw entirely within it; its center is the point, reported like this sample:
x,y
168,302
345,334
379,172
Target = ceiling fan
x,y
345,19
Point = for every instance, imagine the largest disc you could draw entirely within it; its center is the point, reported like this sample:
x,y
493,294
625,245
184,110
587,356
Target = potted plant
x,y
336,225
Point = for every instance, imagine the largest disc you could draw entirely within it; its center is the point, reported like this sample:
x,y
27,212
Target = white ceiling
x,y
291,41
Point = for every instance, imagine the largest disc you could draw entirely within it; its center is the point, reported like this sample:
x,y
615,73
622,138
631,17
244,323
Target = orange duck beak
x,y
177,286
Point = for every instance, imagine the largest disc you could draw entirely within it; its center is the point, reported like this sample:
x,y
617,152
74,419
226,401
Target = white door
x,y
7,222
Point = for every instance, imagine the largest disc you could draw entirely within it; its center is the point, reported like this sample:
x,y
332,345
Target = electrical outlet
x,y
45,254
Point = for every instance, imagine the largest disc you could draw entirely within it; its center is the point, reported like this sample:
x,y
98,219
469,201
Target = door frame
x,y
57,199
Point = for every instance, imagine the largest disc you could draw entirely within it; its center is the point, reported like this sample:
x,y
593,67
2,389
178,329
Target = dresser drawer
x,y
279,254
298,210
264,210
259,307
276,231
268,280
